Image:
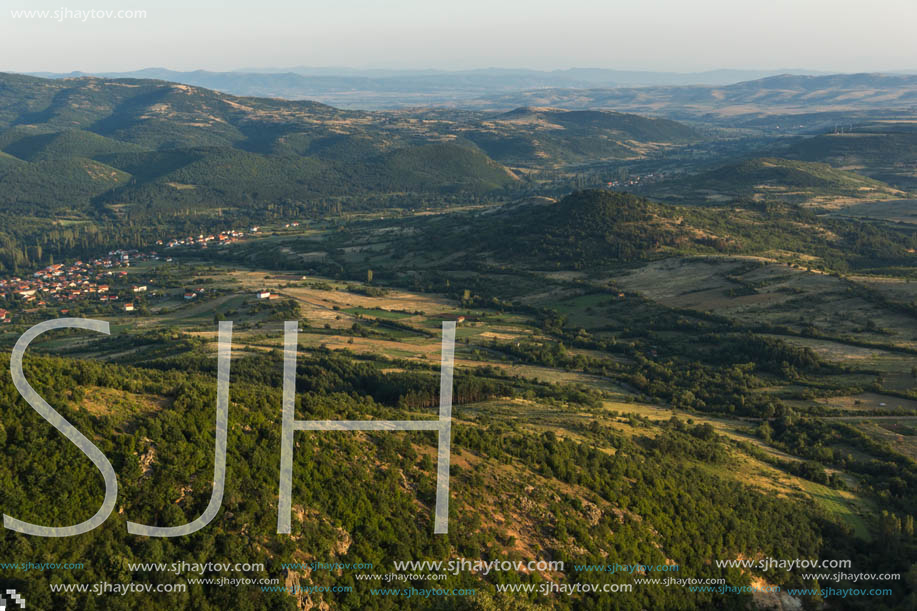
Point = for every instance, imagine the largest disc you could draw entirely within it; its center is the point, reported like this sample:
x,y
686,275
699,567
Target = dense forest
x,y
336,484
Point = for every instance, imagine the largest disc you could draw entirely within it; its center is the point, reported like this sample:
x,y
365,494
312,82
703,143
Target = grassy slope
x,y
774,178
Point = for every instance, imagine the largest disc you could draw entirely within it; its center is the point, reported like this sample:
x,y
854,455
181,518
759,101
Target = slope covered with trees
x,y
771,178
190,148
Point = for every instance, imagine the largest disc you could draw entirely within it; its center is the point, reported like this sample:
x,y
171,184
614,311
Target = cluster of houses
x,y
80,280
223,237
634,181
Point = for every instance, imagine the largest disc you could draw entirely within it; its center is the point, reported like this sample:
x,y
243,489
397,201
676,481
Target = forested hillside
x,y
594,229
774,179
173,148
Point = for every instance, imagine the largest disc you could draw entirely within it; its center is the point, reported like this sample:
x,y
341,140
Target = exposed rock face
x,y
304,602
593,513
147,458
343,542
776,601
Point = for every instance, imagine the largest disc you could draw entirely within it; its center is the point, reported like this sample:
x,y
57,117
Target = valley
x,y
678,342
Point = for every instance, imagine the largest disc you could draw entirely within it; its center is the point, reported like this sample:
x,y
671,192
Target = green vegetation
x,y
535,136
61,184
636,381
590,229
882,150
61,145
774,179
178,150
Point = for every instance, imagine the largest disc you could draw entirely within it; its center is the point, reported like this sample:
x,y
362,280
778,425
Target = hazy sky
x,y
677,35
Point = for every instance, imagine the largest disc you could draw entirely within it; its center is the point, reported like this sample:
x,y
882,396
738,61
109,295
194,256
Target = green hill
x,y
596,229
8,162
589,225
535,136
61,184
337,147
65,144
227,177
773,178
12,136
584,229
864,149
882,150
444,163
149,165
189,147
220,177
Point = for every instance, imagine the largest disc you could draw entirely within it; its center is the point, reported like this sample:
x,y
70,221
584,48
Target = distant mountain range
x,y
146,146
782,94
594,76
379,89
716,94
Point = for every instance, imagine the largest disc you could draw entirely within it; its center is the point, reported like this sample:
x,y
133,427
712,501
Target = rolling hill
x,y
56,185
8,162
556,136
776,94
226,177
379,89
884,150
584,229
74,142
601,229
30,146
859,149
177,147
770,178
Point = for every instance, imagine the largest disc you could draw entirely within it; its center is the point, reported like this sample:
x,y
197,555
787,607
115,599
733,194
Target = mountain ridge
x,y
388,89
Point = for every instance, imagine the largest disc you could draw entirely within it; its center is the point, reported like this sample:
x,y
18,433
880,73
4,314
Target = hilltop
x,y
601,230
884,150
588,226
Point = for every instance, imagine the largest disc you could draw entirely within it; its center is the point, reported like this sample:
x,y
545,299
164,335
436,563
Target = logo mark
x,y
14,596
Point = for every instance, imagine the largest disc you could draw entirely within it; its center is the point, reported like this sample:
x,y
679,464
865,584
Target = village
x,y
102,280
202,241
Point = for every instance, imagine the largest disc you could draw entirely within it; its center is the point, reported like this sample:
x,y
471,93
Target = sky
x,y
666,35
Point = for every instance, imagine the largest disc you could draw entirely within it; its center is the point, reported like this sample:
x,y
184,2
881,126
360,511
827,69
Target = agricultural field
x,y
684,303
